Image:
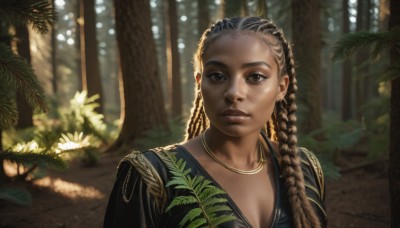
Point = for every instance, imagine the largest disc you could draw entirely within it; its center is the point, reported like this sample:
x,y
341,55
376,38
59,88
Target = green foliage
x,y
377,126
352,42
84,147
161,137
38,13
81,116
376,119
337,136
16,73
18,196
201,192
75,134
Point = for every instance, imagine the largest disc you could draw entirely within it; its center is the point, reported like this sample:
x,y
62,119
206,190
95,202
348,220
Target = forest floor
x,y
78,197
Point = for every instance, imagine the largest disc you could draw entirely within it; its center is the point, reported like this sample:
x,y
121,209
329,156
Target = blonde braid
x,y
194,117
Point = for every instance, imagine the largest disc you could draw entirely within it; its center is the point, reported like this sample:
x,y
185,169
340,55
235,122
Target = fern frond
x,y
74,141
47,159
350,43
38,13
201,192
15,72
197,223
194,213
181,200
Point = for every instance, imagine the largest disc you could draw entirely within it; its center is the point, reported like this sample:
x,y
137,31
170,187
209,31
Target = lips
x,y
234,112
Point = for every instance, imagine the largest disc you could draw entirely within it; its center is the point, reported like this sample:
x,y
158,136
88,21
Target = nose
x,y
235,91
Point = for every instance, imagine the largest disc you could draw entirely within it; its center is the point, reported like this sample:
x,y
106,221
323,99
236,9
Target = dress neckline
x,y
231,202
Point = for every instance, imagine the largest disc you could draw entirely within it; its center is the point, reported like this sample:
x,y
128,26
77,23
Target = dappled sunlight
x,y
69,189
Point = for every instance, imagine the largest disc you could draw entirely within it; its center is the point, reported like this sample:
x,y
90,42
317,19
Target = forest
x,y
84,82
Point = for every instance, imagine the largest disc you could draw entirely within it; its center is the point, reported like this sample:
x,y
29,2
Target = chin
x,y
236,130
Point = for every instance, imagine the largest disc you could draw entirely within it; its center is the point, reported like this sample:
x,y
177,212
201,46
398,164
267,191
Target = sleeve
x,y
314,183
132,202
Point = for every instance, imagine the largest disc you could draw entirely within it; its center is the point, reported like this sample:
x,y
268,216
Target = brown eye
x,y
217,77
255,78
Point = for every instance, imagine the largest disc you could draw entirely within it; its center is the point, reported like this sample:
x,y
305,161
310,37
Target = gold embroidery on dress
x,y
317,169
149,175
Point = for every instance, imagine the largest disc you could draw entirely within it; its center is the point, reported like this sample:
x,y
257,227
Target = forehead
x,y
243,46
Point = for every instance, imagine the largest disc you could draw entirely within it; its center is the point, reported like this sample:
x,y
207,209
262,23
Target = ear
x,y
283,86
198,78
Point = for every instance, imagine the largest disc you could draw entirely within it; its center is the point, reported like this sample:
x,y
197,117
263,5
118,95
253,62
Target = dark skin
x,y
240,74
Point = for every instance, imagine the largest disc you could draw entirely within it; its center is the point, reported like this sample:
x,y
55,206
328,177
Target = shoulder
x,y
314,181
146,166
311,164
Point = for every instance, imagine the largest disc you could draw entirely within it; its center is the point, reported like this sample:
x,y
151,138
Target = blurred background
x,y
83,82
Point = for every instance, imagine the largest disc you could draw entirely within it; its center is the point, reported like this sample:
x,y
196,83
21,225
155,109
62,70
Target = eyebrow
x,y
252,64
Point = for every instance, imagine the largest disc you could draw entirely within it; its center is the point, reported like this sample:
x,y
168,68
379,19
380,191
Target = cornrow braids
x,y
282,125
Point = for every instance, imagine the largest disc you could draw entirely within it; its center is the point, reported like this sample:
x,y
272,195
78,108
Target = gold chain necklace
x,y
247,172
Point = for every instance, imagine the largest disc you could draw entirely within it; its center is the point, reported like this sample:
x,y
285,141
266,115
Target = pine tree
x,y
17,74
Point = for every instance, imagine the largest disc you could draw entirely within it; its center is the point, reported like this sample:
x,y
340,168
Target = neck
x,y
240,151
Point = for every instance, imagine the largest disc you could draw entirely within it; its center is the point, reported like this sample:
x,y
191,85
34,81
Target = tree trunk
x,y
394,153
3,176
203,16
54,55
361,59
307,50
346,69
144,106
174,75
262,9
91,80
231,8
78,37
25,111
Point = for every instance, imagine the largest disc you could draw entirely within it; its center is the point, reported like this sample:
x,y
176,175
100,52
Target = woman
x,y
243,168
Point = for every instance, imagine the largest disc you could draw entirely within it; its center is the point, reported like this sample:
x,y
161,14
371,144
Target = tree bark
x,y
361,58
262,9
144,106
25,111
394,153
307,50
91,80
174,74
54,55
347,81
203,16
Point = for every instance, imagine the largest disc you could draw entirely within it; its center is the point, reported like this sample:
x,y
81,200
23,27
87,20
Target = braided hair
x,y
282,124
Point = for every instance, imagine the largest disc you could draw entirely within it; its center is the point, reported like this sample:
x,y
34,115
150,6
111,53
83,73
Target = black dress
x,y
139,195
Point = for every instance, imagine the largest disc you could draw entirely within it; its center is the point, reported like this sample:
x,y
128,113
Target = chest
x,y
254,195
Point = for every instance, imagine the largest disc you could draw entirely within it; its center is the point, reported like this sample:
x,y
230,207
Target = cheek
x,y
265,103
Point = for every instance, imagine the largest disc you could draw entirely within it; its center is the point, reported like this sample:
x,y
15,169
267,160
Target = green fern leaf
x,y
210,192
202,193
221,220
197,223
211,201
190,216
181,200
218,208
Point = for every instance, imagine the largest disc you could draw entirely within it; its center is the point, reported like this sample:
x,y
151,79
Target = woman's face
x,y
240,84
